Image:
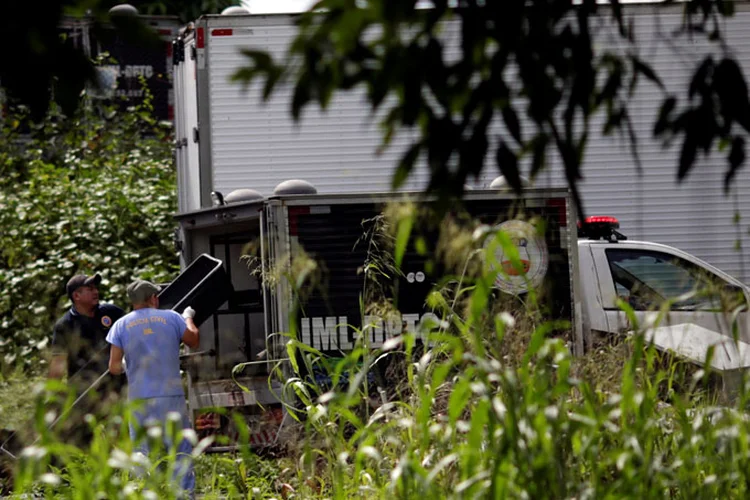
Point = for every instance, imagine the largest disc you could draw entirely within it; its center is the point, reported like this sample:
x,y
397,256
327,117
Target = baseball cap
x,y
80,280
139,291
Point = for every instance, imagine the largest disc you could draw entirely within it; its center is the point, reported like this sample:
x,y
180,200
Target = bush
x,y
91,193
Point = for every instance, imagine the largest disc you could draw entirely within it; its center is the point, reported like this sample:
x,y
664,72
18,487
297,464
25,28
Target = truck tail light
x,y
200,38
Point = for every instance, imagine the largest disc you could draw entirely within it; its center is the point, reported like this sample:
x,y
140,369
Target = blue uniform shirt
x,y
150,339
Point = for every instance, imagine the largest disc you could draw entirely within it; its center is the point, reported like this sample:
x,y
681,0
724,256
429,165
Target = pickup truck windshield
x,y
645,279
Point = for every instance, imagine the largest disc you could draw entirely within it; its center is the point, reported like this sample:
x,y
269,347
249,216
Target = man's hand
x,y
191,334
189,312
58,365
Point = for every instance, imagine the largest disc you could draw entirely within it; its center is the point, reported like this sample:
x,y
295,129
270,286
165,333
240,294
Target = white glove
x,y
189,312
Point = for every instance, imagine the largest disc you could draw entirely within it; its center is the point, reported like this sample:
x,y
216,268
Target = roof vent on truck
x,y
600,227
502,183
295,186
123,9
235,10
242,195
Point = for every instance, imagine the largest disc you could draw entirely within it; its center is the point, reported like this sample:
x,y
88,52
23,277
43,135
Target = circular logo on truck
x,y
532,254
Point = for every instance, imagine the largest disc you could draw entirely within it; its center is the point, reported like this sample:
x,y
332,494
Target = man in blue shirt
x,y
149,340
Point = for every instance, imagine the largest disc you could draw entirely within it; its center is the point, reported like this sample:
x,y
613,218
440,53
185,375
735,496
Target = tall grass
x,y
110,467
494,409
484,402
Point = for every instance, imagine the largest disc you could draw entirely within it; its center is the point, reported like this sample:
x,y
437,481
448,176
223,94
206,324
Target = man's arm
x,y
191,335
116,366
115,360
58,363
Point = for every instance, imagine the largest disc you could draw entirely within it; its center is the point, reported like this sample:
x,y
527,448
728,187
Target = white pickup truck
x,y
682,303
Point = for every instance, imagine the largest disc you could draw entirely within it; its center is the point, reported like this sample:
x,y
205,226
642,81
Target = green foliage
x,y
17,396
110,467
90,193
501,409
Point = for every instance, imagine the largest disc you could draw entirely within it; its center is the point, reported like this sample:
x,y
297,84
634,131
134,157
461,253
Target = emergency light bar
x,y
600,227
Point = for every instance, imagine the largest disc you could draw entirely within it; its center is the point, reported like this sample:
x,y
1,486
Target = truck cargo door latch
x,y
195,134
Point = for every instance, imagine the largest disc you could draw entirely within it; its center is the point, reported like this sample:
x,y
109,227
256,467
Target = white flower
x,y
174,416
190,435
154,432
51,479
326,397
118,459
141,459
507,319
370,451
34,452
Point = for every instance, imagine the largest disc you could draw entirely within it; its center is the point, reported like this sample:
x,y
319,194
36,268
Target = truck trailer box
x,y
228,138
129,66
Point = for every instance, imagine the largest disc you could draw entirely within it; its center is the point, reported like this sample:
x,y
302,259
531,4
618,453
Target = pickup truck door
x,y
702,301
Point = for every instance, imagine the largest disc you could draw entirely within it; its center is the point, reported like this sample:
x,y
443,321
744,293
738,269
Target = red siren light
x,y
603,219
600,227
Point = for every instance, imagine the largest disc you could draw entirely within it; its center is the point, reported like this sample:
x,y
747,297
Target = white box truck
x,y
235,152
227,138
331,229
121,81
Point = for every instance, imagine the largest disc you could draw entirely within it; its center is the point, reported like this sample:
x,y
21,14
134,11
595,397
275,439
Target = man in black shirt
x,y
80,348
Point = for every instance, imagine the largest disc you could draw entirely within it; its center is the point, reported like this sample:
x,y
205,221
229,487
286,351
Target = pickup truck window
x,y
645,279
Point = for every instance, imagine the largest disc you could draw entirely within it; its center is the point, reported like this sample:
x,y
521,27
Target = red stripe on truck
x,y
222,32
200,38
294,213
560,205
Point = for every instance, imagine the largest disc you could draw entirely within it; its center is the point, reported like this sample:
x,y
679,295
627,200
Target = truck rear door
x,y
186,125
